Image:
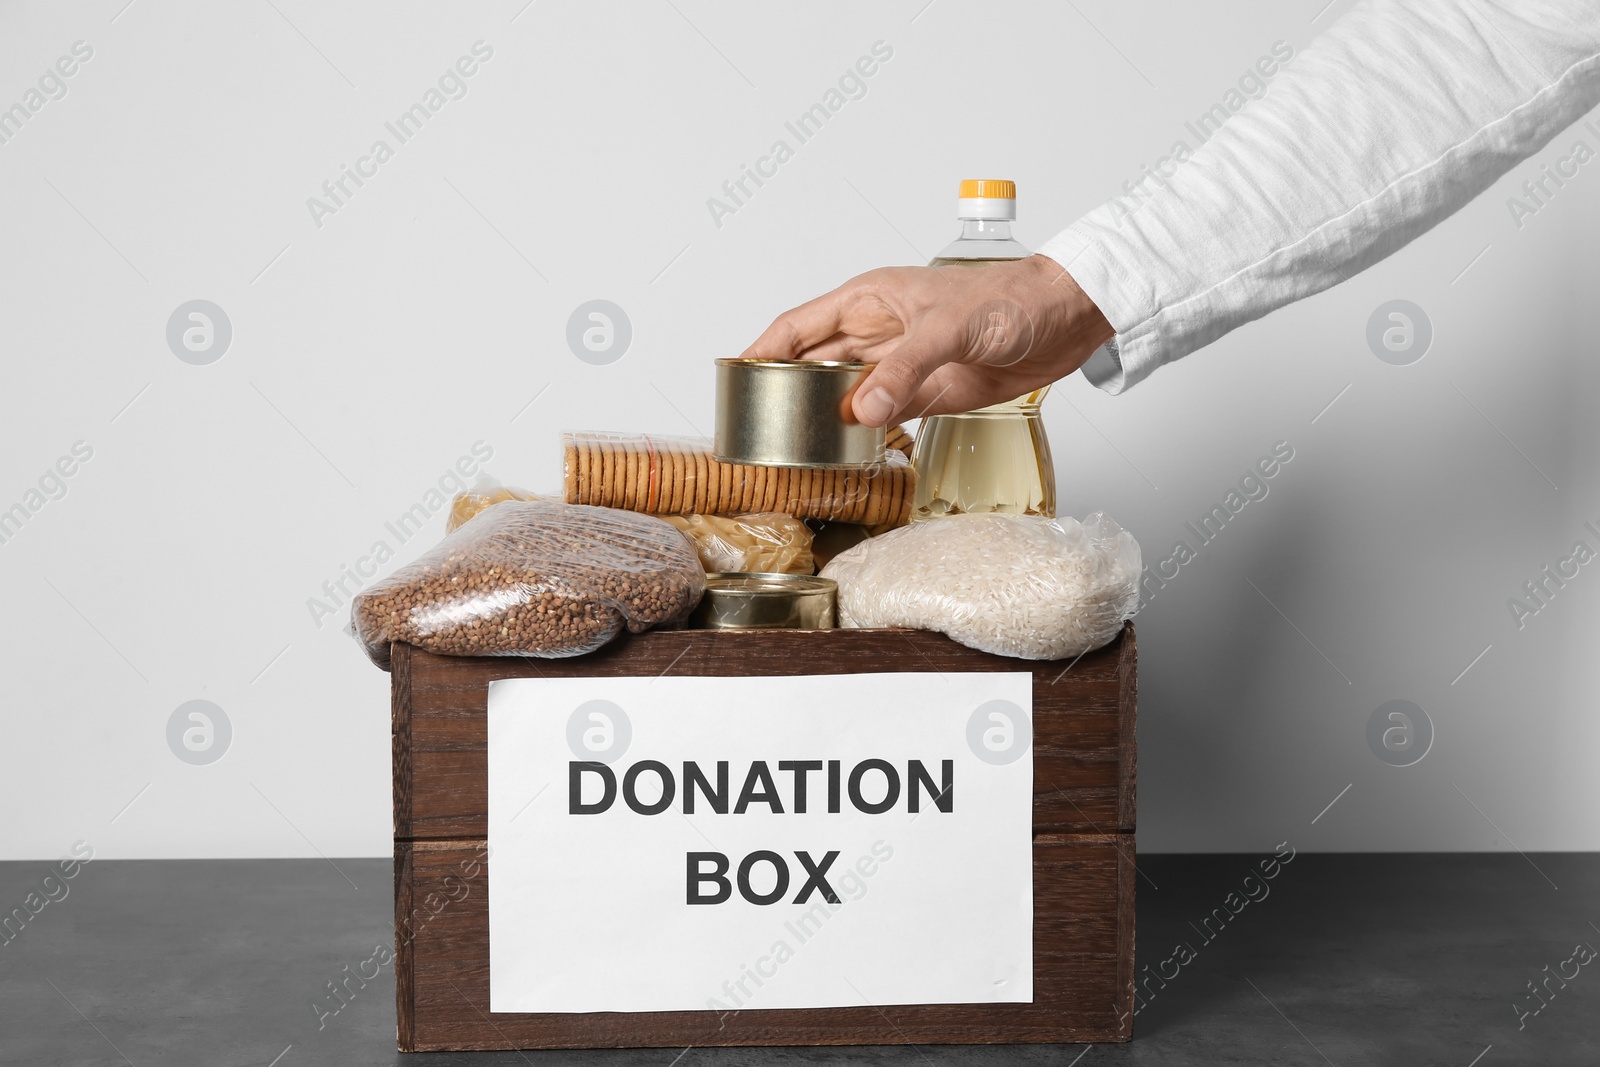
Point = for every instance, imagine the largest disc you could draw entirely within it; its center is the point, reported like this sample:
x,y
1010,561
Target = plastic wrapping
x,y
534,578
769,542
485,494
1013,585
678,476
899,438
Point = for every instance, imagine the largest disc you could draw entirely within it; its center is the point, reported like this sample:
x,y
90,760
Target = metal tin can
x,y
750,601
792,413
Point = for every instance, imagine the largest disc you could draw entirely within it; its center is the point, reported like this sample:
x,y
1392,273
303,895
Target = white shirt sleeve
x,y
1379,129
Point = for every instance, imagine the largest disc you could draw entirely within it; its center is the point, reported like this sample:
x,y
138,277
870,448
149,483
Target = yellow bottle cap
x,y
988,189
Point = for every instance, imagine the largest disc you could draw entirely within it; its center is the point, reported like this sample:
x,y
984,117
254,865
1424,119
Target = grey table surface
x,y
1392,959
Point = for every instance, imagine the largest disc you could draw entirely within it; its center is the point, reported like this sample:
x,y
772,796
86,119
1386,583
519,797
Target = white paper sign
x,y
662,844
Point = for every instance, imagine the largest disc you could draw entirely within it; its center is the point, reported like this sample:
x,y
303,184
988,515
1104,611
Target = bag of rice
x,y
1013,585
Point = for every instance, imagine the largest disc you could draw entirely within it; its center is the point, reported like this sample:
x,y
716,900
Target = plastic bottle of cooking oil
x,y
995,458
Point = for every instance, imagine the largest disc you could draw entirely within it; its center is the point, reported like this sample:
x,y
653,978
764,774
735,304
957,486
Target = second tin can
x,y
751,601
792,413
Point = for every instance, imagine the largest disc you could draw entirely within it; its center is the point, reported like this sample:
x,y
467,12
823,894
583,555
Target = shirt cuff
x,y
1104,369
1127,304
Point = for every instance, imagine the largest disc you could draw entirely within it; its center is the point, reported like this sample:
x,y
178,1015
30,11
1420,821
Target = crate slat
x,y
1083,974
1082,713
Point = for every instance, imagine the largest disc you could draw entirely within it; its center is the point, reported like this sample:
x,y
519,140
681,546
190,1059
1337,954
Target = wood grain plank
x,y
1127,718
1083,713
400,741
404,963
1083,974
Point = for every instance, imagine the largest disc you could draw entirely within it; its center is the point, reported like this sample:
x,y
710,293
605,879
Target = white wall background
x,y
372,352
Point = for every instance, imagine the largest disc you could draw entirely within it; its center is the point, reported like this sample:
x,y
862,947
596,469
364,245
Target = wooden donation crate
x,y
1083,847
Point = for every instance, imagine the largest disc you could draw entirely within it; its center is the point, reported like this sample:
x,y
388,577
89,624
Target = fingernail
x,y
876,406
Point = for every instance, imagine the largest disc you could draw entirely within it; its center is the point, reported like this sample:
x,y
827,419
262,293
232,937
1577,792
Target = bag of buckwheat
x,y
534,578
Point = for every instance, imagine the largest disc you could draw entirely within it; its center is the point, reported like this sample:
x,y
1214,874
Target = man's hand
x,y
945,339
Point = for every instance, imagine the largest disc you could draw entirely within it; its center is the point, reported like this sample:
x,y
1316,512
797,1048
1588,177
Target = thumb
x,y
895,380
